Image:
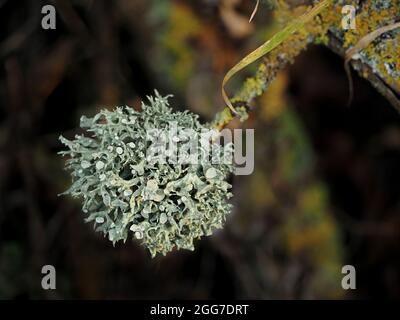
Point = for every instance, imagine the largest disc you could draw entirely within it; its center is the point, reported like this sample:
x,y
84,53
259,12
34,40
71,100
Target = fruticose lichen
x,y
166,204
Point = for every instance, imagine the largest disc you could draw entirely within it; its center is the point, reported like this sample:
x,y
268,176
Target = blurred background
x,y
324,193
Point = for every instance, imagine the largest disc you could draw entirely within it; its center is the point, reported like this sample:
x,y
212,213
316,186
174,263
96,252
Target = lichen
x,y
382,54
125,188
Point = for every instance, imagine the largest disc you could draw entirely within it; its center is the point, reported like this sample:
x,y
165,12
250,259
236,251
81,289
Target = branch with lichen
x,y
377,62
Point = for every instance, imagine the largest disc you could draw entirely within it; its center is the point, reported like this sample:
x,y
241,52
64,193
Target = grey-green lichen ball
x,y
150,174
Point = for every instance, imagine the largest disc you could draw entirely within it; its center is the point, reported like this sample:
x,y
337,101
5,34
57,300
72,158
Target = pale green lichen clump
x,y
165,205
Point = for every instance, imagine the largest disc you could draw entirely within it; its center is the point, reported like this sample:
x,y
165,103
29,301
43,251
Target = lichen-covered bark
x,y
379,62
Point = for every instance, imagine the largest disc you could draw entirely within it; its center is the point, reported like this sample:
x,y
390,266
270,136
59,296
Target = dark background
x,y
108,53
